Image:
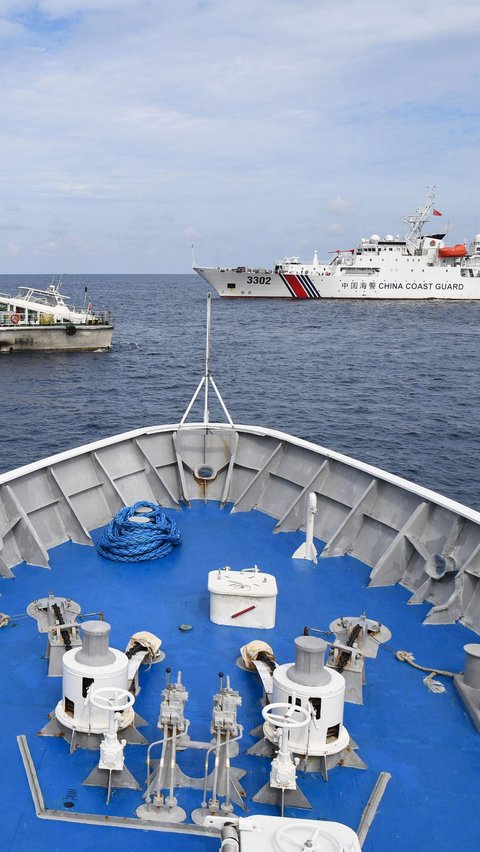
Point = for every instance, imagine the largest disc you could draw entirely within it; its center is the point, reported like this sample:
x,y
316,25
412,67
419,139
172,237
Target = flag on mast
x,y
436,213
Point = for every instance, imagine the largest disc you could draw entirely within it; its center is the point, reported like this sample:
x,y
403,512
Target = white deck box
x,y
245,598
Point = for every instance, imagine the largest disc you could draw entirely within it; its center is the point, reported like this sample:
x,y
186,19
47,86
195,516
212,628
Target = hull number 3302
x,y
259,279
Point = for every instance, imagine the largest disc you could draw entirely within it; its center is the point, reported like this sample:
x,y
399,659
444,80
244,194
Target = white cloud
x,y
13,250
339,205
137,116
190,232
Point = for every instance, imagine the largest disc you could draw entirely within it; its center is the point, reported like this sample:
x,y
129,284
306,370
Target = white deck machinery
x,y
307,550
99,684
468,682
59,619
224,779
304,724
280,834
164,775
160,800
356,638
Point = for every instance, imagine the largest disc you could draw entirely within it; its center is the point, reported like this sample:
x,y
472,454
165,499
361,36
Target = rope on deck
x,y
129,540
432,685
4,619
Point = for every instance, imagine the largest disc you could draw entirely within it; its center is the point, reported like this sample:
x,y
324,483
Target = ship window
x,y
69,706
231,286
298,701
332,733
86,684
317,707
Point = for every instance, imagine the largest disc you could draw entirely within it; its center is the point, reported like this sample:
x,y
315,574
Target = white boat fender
x,y
253,650
146,640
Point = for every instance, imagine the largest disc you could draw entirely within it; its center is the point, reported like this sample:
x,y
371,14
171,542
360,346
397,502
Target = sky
x,y
253,129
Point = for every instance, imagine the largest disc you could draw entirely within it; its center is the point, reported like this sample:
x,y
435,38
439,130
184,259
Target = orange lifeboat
x,y
453,251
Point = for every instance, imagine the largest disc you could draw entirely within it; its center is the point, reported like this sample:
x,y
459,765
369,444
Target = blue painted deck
x,y
424,740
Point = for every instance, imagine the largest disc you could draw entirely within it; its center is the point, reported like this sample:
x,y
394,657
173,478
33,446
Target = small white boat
x,y
37,319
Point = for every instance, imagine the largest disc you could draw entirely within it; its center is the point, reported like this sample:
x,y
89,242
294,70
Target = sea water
x,y
395,384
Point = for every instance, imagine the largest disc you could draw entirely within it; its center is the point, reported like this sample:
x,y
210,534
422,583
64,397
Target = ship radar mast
x,y
417,221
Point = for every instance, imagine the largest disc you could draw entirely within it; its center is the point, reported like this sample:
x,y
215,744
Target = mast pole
x,y
417,221
206,412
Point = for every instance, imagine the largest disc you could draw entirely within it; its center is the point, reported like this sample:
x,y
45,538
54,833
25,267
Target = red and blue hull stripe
x,y
299,286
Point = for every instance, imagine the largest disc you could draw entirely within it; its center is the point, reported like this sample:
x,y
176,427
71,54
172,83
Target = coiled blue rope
x,y
125,540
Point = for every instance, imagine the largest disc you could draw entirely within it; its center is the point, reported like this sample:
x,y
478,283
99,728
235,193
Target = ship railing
x,y
6,320
12,319
81,317
17,320
100,317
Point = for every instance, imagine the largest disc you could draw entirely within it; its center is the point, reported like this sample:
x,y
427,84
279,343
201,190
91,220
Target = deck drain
x,y
70,798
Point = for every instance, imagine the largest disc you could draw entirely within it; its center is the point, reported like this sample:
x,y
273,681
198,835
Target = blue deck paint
x,y
426,741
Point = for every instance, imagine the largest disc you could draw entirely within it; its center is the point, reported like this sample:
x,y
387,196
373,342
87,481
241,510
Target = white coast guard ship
x,y
415,267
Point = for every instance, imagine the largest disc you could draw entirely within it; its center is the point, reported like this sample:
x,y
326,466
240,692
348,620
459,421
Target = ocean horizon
x,y
394,384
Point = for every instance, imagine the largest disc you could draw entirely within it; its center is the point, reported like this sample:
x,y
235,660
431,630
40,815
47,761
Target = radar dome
x,y
374,238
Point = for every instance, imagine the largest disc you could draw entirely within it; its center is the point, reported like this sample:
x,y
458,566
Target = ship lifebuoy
x,y
15,318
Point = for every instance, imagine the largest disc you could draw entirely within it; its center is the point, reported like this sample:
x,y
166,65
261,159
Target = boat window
x,y
45,299
333,732
86,684
40,296
69,706
298,701
317,707
231,286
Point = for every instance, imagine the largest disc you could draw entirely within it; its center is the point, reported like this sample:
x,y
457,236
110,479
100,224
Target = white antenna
x,y
207,379
193,256
418,220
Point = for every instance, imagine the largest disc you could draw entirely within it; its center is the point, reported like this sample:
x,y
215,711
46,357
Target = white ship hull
x,y
55,338
264,284
435,283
